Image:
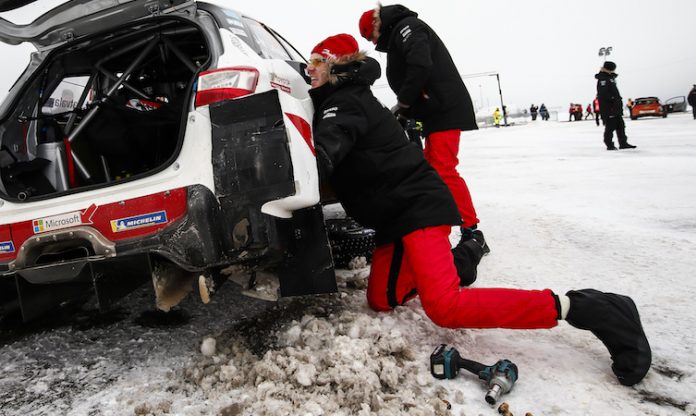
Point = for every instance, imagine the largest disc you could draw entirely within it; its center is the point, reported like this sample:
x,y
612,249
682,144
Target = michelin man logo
x,y
139,221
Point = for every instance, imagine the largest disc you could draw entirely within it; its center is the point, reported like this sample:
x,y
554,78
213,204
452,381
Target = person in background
x,y
533,110
610,107
691,99
428,87
385,183
595,105
588,111
543,112
497,117
629,105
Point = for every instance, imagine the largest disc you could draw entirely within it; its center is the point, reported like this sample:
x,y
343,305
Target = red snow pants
x,y
421,264
441,150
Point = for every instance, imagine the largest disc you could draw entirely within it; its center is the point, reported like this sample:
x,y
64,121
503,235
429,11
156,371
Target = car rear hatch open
x,y
77,18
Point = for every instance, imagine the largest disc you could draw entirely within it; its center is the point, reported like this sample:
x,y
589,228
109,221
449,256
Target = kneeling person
x,y
385,183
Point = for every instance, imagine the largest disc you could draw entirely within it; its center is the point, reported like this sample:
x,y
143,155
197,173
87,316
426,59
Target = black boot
x,y
477,235
467,255
614,320
626,146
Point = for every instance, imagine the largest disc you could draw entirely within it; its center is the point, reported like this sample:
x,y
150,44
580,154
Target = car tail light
x,y
225,84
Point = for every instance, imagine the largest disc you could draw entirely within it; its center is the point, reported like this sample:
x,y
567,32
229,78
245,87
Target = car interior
x,y
107,109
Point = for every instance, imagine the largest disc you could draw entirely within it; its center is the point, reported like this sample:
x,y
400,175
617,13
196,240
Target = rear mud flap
x,y
107,279
308,268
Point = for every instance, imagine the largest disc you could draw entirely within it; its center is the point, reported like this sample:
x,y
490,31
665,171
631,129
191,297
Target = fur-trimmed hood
x,y
358,68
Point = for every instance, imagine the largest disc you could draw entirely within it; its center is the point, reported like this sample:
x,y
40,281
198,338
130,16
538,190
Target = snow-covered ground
x,y
558,210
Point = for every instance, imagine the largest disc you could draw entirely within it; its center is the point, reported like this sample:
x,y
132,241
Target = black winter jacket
x,y
691,99
610,104
422,74
382,180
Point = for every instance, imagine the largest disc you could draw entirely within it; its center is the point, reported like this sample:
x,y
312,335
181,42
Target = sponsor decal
x,y
57,222
6,247
281,84
139,221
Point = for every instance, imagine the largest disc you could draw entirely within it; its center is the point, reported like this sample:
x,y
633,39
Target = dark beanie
x,y
609,65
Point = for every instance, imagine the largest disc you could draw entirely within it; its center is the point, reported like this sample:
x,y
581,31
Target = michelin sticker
x,y
139,221
6,247
57,222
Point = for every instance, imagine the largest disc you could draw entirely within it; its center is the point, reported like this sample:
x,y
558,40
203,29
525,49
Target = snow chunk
x,y
208,347
306,374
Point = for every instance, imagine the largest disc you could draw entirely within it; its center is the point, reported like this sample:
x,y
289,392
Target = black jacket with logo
x,y
610,104
421,72
382,179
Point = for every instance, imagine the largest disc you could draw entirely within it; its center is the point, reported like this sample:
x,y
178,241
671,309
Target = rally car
x,y
155,140
647,107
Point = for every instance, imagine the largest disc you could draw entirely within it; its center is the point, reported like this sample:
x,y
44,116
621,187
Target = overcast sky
x,y
545,51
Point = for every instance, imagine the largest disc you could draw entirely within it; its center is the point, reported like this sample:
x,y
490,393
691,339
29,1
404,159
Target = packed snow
x,y
558,211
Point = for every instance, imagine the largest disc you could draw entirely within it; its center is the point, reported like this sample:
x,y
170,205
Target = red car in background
x,y
647,107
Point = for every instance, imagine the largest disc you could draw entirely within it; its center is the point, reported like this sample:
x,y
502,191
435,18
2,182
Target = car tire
x,y
633,117
349,240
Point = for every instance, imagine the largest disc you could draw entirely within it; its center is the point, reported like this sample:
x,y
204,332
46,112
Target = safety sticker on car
x,y
57,222
139,221
6,247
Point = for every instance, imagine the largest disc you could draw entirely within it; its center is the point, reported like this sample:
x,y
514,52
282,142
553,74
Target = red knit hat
x,y
336,46
366,24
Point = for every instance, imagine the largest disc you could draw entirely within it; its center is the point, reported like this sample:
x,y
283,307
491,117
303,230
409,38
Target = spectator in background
x,y
611,107
496,117
691,99
543,112
629,105
595,105
533,110
588,111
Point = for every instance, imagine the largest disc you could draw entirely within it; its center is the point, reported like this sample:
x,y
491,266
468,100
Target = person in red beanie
x,y
428,87
385,183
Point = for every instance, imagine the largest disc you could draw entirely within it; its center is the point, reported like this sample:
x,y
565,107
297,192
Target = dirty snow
x,y
558,210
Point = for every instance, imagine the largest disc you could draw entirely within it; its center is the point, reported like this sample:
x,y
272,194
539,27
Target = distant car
x,y
675,104
647,107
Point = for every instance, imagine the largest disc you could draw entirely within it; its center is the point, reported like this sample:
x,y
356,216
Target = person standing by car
x,y
610,107
497,117
399,195
629,105
428,87
691,99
